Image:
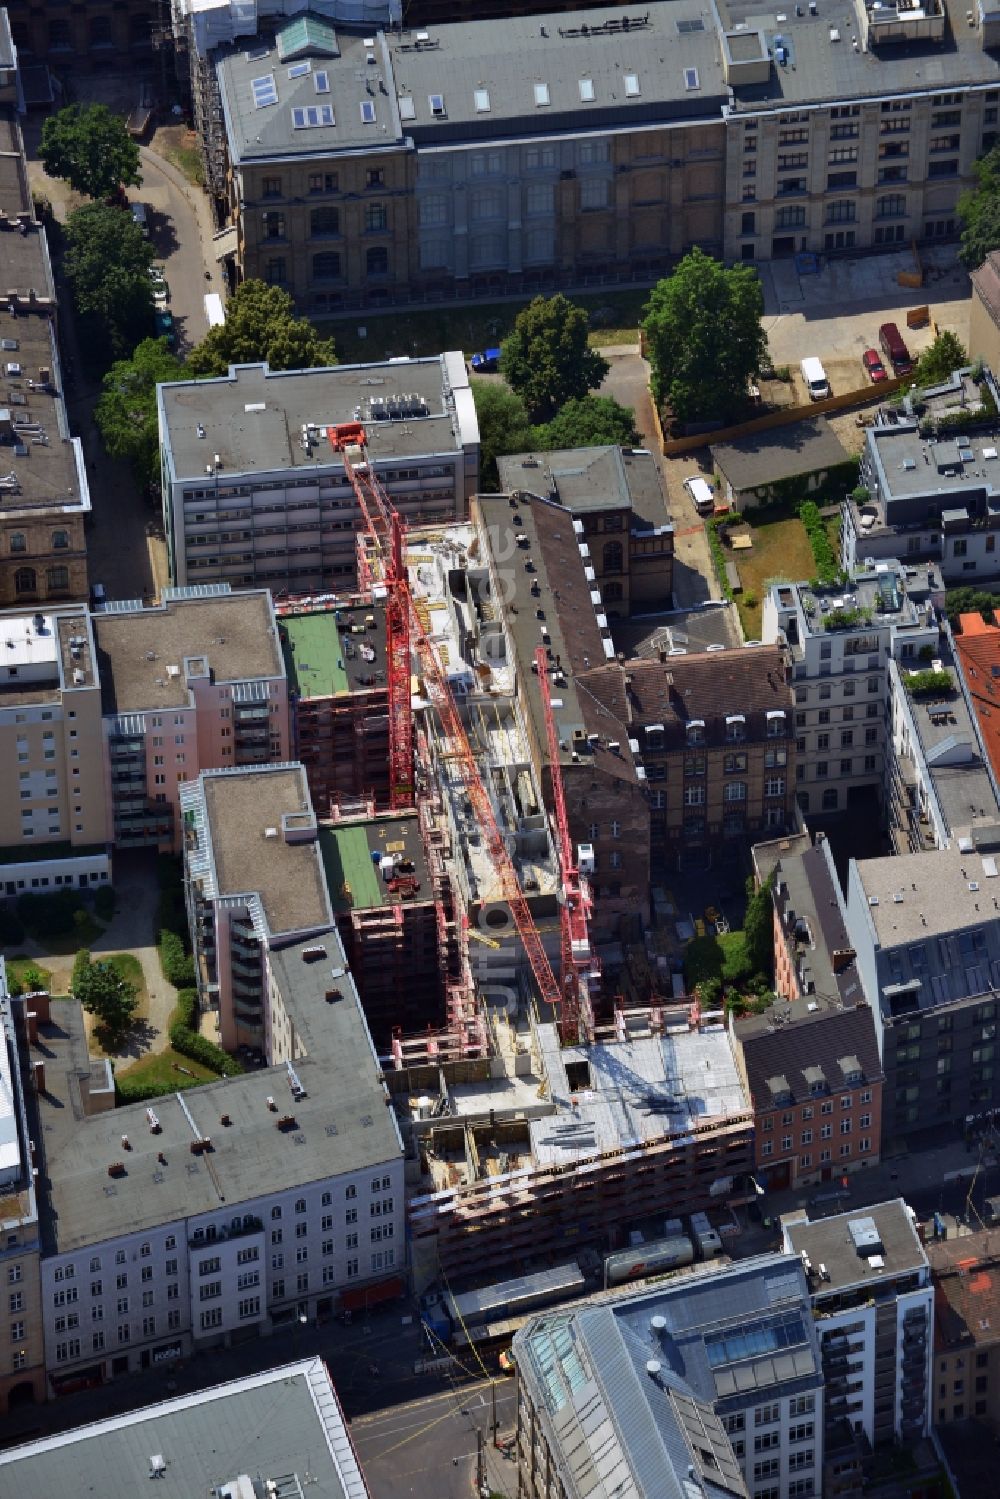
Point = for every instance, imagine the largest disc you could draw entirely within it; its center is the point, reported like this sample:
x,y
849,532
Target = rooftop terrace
x,y
335,650
356,880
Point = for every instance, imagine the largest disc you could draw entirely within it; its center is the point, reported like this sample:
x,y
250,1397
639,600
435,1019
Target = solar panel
x,y
265,91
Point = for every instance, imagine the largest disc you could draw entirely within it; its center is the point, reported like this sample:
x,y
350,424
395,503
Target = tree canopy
x,y
103,992
261,324
547,360
758,928
971,601
125,413
979,212
704,337
90,148
589,421
936,363
504,427
107,265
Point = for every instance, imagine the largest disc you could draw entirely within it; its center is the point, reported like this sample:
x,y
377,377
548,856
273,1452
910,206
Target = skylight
x,y
321,81
265,91
482,99
691,78
586,90
542,95
436,102
632,89
300,70
312,115
367,112
407,110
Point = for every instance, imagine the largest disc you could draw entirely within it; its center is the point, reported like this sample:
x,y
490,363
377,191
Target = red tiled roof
x,y
978,650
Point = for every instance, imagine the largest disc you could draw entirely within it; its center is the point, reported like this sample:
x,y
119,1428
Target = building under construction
x,y
338,694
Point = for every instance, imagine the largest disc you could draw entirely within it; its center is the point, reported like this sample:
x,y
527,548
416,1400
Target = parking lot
x,y
836,314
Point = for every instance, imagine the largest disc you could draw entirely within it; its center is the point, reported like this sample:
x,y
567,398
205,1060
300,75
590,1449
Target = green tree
x,y
758,928
979,212
547,360
90,148
936,363
261,325
125,413
971,601
705,338
107,266
504,427
103,992
589,421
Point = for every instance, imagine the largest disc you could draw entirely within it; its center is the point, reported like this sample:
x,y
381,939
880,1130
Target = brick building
x,y
966,1276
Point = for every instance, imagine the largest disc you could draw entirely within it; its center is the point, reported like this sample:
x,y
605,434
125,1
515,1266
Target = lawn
x,y
17,967
179,146
471,328
780,550
168,1067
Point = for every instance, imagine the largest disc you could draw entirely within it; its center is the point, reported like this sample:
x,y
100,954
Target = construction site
x,y
537,1106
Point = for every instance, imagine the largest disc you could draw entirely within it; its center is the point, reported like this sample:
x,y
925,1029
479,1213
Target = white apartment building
x,y
872,1297
226,1212
841,639
254,493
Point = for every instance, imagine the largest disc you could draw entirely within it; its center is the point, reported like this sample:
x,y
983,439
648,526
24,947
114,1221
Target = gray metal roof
x,y
285,1424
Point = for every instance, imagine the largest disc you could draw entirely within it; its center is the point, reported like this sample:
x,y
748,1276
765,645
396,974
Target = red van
x,y
892,346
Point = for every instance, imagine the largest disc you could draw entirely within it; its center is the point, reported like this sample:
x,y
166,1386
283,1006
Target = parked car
x,y
156,274
891,343
139,217
701,493
485,363
161,294
814,378
873,366
164,323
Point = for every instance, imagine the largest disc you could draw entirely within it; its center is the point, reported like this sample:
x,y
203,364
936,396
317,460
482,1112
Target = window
x,y
25,580
249,1307
324,221
326,267
275,270
612,557
211,1318
376,217
274,225
271,187
594,192
377,261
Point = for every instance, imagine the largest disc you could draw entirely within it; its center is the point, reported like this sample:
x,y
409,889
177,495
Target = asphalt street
x,y
429,1446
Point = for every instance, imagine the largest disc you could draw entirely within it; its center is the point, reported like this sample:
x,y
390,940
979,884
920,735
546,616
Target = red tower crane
x,y
383,524
385,527
578,964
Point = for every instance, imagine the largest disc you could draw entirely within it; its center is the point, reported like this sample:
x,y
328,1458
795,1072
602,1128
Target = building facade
x,y
62,37
196,682
966,1329
22,1347
56,830
927,941
254,493
494,157
838,639
873,1301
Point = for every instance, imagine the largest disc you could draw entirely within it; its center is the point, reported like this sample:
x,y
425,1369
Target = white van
x,y
701,492
815,379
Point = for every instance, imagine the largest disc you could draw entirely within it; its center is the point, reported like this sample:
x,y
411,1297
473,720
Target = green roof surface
x,y
347,859
313,654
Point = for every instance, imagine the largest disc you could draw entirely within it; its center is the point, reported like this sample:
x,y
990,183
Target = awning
x,y
224,243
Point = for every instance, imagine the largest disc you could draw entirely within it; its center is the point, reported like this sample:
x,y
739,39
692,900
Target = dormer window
x,y
736,728
776,723
696,731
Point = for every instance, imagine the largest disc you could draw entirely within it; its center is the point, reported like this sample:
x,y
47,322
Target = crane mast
x,y
404,629
577,961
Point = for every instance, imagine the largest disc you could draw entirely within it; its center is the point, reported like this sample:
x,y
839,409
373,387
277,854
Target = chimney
x,y
39,1070
40,1005
32,1020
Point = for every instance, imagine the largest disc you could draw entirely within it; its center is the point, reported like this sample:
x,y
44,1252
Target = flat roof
x,y
910,465
52,648
645,1089
912,897
696,629
353,876
335,650
253,417
250,853
783,453
829,1242
285,1421
143,652
343,1124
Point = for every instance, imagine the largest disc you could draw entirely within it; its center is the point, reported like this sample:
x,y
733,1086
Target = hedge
x,y
921,683
177,965
718,555
826,563
185,1038
137,1090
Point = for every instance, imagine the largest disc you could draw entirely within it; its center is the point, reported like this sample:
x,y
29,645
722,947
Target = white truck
x,y
814,376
